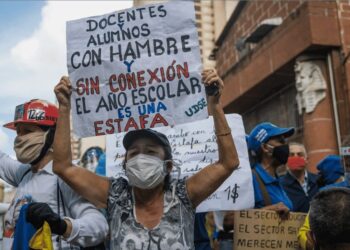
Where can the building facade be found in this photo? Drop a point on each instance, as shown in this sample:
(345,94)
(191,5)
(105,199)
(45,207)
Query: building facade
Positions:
(287,62)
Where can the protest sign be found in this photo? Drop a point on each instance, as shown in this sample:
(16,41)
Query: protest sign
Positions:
(263,229)
(194,146)
(136,68)
(345,151)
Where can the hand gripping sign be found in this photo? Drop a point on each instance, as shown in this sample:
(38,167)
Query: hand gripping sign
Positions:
(136,68)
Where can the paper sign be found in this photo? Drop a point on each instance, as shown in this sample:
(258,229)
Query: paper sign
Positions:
(345,151)
(136,68)
(194,146)
(263,229)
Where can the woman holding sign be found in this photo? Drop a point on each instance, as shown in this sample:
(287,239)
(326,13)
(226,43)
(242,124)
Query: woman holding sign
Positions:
(148,211)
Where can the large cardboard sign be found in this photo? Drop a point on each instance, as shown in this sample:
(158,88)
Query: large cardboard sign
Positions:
(263,229)
(136,68)
(194,147)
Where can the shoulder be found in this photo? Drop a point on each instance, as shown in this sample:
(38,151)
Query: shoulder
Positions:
(117,189)
(258,171)
(180,186)
(117,185)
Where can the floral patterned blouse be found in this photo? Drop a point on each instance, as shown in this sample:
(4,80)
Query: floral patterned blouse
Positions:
(175,230)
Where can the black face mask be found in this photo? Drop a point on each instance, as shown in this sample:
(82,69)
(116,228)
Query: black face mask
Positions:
(281,153)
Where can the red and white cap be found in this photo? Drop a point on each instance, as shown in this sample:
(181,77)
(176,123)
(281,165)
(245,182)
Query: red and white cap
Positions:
(37,112)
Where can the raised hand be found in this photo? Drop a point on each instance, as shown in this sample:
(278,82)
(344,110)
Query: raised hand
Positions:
(63,91)
(211,78)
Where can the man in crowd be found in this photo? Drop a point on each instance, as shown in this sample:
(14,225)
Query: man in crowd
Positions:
(330,219)
(74,222)
(299,184)
(268,147)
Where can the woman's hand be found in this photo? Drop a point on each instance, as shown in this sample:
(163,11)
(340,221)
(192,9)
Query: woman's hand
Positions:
(63,91)
(211,78)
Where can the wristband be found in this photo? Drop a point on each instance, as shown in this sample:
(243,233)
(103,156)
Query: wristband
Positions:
(223,134)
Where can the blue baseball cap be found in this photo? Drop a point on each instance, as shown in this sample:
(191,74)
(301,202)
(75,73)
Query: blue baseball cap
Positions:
(331,168)
(264,132)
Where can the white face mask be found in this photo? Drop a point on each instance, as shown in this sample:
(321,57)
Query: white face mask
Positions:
(145,171)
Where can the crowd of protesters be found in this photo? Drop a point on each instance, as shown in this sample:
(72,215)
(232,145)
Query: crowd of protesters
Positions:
(151,210)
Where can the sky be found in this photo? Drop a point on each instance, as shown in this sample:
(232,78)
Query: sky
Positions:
(33,51)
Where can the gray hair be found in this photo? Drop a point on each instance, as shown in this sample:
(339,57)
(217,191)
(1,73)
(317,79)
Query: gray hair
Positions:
(298,144)
(330,216)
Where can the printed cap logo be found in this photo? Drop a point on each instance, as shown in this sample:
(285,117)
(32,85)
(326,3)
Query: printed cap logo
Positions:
(19,112)
(36,114)
(262,134)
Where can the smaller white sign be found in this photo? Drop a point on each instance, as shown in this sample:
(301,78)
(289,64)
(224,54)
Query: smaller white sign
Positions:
(194,146)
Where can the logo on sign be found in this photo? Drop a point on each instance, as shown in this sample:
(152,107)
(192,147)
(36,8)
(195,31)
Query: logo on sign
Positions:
(36,114)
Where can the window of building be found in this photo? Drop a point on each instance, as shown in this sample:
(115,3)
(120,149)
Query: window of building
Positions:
(279,108)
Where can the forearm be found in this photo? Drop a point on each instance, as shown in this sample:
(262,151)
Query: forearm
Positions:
(206,181)
(62,157)
(227,151)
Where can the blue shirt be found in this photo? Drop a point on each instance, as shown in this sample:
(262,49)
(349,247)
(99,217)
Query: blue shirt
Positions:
(296,193)
(273,187)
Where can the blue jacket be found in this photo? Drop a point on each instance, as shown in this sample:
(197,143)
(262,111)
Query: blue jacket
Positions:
(300,200)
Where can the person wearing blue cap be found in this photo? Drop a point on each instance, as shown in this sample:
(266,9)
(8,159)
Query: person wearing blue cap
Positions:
(268,148)
(331,173)
(149,208)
